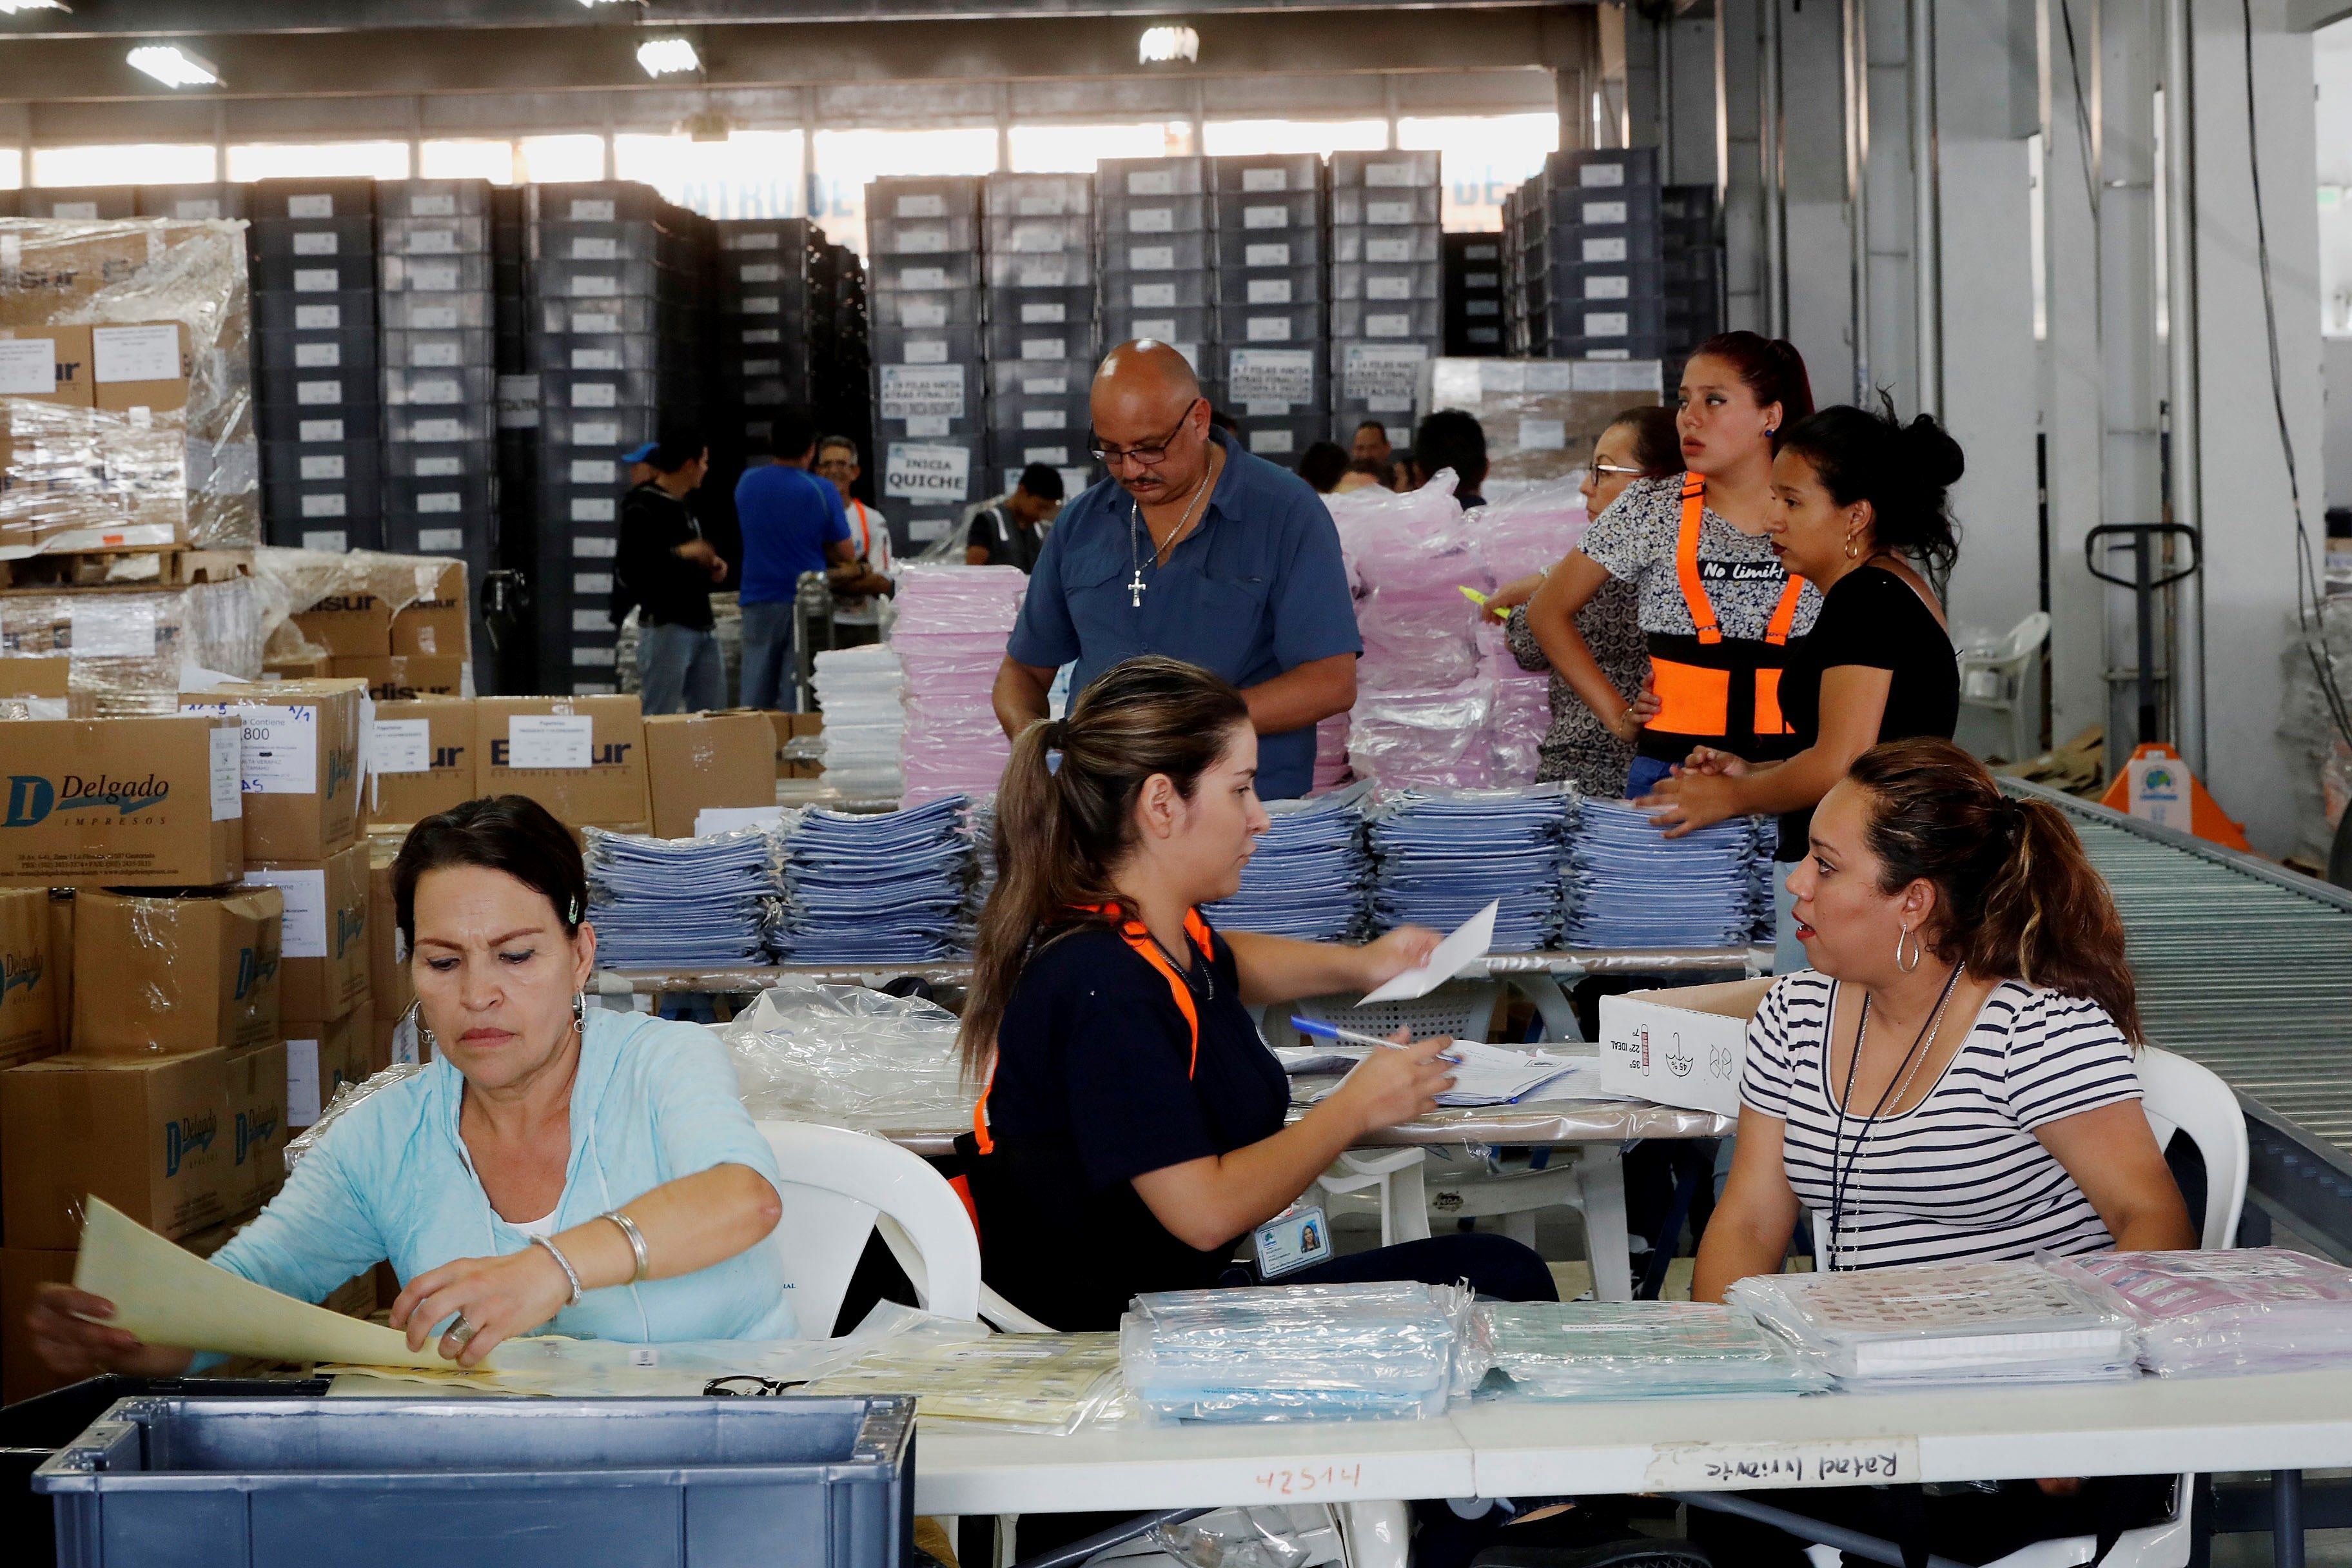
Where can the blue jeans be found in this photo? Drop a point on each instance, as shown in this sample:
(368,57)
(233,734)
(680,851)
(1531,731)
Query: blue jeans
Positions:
(768,655)
(1644,775)
(680,670)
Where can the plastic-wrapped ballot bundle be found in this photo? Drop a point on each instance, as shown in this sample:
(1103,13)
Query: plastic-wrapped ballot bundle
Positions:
(1299,1352)
(2259,1309)
(1529,531)
(848,1056)
(865,723)
(125,650)
(674,903)
(1944,1323)
(1425,740)
(887,887)
(1630,1350)
(1521,710)
(1439,857)
(952,623)
(1632,885)
(1309,876)
(1330,753)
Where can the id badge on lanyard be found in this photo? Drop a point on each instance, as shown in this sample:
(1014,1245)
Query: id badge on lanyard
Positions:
(1291,1240)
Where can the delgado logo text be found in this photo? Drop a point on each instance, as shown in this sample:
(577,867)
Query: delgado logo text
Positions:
(32,797)
(186,1136)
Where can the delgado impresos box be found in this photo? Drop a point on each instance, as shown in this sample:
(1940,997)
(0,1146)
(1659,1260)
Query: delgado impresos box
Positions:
(146,802)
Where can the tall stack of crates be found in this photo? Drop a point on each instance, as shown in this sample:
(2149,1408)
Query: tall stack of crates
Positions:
(1267,230)
(1038,249)
(618,279)
(927,331)
(845,388)
(1600,263)
(1386,273)
(1473,295)
(773,322)
(517,432)
(1155,242)
(1693,268)
(1522,242)
(317,386)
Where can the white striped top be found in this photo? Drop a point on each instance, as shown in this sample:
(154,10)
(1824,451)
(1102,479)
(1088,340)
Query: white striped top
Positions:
(1961,1176)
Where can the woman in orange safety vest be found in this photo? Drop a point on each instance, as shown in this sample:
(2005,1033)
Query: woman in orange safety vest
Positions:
(1718,609)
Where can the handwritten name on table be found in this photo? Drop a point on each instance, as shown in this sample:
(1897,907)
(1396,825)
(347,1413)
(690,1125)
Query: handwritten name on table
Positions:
(1705,1466)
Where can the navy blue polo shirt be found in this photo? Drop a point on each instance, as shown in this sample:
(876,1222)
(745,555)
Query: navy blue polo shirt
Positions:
(1255,589)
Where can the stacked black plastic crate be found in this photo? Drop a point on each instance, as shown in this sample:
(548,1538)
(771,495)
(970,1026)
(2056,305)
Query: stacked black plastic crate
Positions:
(317,386)
(517,432)
(1473,294)
(844,369)
(190,203)
(1156,248)
(1602,258)
(927,323)
(770,333)
(1269,225)
(1386,278)
(1693,268)
(1038,249)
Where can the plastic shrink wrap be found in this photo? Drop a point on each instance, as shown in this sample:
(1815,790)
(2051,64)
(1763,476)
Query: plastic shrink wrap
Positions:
(1630,1350)
(952,625)
(1301,1353)
(126,650)
(852,1057)
(2262,1308)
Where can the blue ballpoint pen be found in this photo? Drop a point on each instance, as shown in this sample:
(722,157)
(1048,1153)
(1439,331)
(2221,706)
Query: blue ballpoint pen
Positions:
(1322,1030)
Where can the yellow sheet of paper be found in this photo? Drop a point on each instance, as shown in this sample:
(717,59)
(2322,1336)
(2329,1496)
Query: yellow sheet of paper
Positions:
(168,1296)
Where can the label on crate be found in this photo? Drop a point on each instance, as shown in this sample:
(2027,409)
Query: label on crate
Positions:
(437,430)
(134,353)
(583,620)
(596,471)
(433,355)
(1052,314)
(318,318)
(311,394)
(1607,323)
(1157,326)
(1377,375)
(586,210)
(1482,307)
(1052,274)
(1266,255)
(1600,174)
(433,277)
(1542,436)
(28,367)
(1388,176)
(325,467)
(399,746)
(918,312)
(1045,348)
(1053,203)
(1255,180)
(1604,212)
(433,317)
(449,540)
(595,394)
(320,430)
(1640,376)
(1388,212)
(432,242)
(922,278)
(593,508)
(1386,326)
(759,272)
(1152,296)
(592,583)
(1045,385)
(310,206)
(1604,249)
(1271,443)
(933,205)
(596,322)
(919,473)
(928,424)
(595,433)
(1151,183)
(757,240)
(437,389)
(1044,419)
(432,206)
(595,248)
(1038,238)
(1269,290)
(923,242)
(430,501)
(913,392)
(926,350)
(766,305)
(1152,220)
(196,210)
(1388,250)
(1266,410)
(1056,455)
(1388,287)
(316,279)
(1482,280)
(1265,217)
(594,286)
(756,335)
(321,243)
(1607,286)
(1151,257)
(1269,329)
(1282,377)
(763,367)
(438,467)
(325,506)
(518,403)
(589,547)
(111,630)
(554,739)
(332,539)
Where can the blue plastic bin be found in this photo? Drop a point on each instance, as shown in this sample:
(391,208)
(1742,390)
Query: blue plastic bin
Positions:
(176,1482)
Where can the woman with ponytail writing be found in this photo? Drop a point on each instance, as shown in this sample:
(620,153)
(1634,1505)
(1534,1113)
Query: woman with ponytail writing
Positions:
(1132,1131)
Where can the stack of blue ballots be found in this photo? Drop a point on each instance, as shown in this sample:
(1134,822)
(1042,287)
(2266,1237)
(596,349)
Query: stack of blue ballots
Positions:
(1309,876)
(1441,856)
(1297,1353)
(684,903)
(1632,885)
(887,887)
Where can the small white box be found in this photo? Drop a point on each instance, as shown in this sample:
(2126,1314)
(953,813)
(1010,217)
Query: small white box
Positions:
(1682,1046)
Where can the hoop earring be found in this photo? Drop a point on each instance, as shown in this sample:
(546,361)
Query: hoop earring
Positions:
(427,1046)
(1918,951)
(1853,547)
(580,1011)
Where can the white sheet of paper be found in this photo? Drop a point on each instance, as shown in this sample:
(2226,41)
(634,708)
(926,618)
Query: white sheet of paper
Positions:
(1469,940)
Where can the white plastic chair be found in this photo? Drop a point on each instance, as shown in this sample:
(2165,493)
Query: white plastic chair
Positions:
(838,1187)
(2001,679)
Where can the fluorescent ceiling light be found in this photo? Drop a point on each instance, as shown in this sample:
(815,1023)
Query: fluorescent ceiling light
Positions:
(665,57)
(1165,46)
(174,66)
(11,7)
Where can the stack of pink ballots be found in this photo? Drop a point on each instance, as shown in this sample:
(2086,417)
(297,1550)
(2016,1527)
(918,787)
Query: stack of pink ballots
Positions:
(1522,537)
(952,623)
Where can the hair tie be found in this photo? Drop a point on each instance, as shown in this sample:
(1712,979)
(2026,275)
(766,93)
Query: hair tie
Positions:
(1057,734)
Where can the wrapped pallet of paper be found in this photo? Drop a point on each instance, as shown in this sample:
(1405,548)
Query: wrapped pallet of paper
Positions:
(140,328)
(125,650)
(1541,416)
(360,609)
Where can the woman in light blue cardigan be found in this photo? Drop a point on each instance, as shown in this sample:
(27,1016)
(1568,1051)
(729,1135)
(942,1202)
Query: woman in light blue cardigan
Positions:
(555,1168)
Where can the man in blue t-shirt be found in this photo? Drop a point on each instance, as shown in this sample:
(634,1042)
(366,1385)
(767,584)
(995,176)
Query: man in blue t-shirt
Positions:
(793,523)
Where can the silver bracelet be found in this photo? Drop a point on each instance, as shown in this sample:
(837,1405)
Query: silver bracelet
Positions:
(563,1263)
(636,1244)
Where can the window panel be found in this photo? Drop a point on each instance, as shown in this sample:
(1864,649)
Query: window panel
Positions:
(1484,156)
(318,160)
(1076,149)
(469,160)
(752,174)
(1228,138)
(125,163)
(547,159)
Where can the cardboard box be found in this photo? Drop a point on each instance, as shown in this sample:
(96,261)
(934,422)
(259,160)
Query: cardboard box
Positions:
(421,755)
(141,366)
(51,363)
(694,761)
(122,801)
(440,626)
(62,960)
(174,975)
(321,1057)
(356,624)
(320,668)
(149,1136)
(257,1126)
(323,967)
(399,680)
(1684,1046)
(583,758)
(300,763)
(45,678)
(28,977)
(388,977)
(22,1272)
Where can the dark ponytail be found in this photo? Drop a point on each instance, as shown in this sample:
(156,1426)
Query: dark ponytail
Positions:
(1769,368)
(2020,900)
(1060,830)
(1657,444)
(1904,471)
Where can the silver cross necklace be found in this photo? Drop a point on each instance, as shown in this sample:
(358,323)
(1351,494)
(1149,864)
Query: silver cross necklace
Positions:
(1136,585)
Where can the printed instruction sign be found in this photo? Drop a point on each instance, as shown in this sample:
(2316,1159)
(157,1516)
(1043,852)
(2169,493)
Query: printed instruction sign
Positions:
(920,473)
(916,391)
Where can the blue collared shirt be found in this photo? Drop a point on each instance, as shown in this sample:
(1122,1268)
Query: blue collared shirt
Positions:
(1256,589)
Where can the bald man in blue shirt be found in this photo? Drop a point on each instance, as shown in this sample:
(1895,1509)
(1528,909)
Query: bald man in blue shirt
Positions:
(1196,550)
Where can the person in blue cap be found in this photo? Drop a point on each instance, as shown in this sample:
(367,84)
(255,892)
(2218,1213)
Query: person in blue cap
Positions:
(665,568)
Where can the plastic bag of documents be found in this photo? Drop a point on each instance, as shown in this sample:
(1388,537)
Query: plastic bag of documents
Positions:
(2262,1308)
(1630,1350)
(1301,1353)
(848,1056)
(962,1375)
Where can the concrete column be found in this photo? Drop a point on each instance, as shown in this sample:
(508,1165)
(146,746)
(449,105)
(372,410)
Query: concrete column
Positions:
(1738,94)
(1887,175)
(1819,270)
(1672,94)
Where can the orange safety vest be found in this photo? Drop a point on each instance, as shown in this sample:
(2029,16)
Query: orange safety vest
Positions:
(1715,690)
(1136,936)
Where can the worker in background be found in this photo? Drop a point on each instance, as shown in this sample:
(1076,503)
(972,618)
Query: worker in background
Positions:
(663,569)
(859,587)
(1451,438)
(1323,465)
(640,470)
(793,522)
(1012,531)
(1194,549)
(1371,447)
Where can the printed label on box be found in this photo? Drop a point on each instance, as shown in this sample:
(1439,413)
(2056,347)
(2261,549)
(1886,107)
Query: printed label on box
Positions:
(590,620)
(588,211)
(441,541)
(135,353)
(317,356)
(595,394)
(437,469)
(1604,249)
(303,933)
(1382,374)
(432,242)
(550,741)
(321,430)
(1056,455)
(926,350)
(401,746)
(596,433)
(438,500)
(927,473)
(1151,183)
(1152,220)
(596,471)
(588,547)
(923,277)
(314,393)
(1151,257)
(28,367)
(322,243)
(1389,213)
(1600,174)
(1607,323)
(1045,348)
(594,248)
(922,241)
(437,317)
(1388,250)
(316,279)
(1604,212)
(1385,287)
(1045,385)
(594,286)
(1269,329)
(1044,419)
(1388,326)
(326,467)
(592,582)
(432,206)
(1269,290)
(931,204)
(310,206)
(333,505)
(1270,443)
(1255,180)
(1266,255)
(1042,275)
(928,424)
(595,359)
(1388,176)
(1542,436)
(430,355)
(1152,296)
(333,540)
(913,312)
(594,321)
(1607,286)
(318,318)
(228,772)
(1044,315)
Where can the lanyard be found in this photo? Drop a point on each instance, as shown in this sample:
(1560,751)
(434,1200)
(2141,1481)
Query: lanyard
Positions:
(865,532)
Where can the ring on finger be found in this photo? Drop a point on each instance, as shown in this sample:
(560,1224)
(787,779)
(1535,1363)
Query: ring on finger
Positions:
(461,1331)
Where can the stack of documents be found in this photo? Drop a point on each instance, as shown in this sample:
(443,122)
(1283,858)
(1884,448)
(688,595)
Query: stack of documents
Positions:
(2260,1309)
(1439,855)
(1944,1323)
(859,689)
(1482,1073)
(1633,887)
(952,623)
(1049,1383)
(1308,876)
(1630,1350)
(1298,1353)
(889,887)
(684,903)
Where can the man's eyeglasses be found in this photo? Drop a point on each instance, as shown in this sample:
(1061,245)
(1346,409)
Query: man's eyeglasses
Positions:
(1150,454)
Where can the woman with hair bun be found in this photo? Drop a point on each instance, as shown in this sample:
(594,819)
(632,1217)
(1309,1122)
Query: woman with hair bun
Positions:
(1859,510)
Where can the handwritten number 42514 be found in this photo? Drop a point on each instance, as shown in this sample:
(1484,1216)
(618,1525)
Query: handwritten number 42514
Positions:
(1308,1481)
